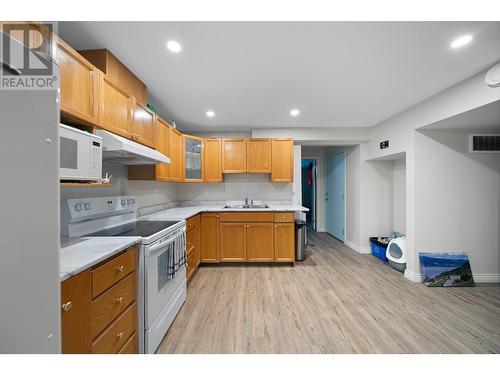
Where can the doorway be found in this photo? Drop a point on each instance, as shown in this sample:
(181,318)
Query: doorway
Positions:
(335,195)
(309,177)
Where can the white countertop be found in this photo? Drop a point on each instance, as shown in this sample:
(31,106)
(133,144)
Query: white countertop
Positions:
(185,212)
(79,253)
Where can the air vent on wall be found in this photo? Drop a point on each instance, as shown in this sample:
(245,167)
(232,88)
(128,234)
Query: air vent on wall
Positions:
(484,143)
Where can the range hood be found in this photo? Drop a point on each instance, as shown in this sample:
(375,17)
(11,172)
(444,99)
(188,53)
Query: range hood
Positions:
(124,151)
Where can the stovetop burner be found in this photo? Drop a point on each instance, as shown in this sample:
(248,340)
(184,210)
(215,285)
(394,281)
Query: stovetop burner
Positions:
(142,228)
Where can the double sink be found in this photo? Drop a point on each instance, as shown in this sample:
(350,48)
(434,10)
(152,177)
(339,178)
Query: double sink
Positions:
(245,206)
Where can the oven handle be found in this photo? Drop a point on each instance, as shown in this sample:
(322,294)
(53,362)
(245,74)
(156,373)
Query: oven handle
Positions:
(155,248)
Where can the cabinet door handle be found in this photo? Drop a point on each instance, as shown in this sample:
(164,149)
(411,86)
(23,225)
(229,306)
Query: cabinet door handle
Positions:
(120,268)
(67,306)
(119,335)
(119,300)
(276,226)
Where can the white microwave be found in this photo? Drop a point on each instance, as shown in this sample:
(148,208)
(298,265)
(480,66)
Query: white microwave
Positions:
(80,155)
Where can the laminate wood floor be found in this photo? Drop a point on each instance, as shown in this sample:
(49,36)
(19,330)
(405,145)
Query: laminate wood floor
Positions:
(336,301)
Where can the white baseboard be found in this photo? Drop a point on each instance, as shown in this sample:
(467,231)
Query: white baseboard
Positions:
(357,248)
(415,277)
(487,278)
(478,277)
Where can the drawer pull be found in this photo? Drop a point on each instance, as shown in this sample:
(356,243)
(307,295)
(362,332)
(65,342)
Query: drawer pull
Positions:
(67,306)
(119,335)
(119,300)
(120,268)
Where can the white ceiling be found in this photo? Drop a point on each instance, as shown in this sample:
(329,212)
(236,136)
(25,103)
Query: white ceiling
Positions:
(339,74)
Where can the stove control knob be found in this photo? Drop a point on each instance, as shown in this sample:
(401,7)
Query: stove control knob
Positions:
(88,206)
(132,201)
(128,201)
(78,207)
(124,202)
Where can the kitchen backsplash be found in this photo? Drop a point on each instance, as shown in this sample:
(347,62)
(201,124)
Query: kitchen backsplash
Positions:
(150,194)
(236,187)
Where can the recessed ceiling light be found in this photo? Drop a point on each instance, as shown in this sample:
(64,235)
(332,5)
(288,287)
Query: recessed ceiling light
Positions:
(210,113)
(174,46)
(294,112)
(461,41)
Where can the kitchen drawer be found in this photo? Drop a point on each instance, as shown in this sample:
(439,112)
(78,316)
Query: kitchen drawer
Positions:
(193,260)
(284,217)
(113,302)
(193,238)
(193,222)
(246,216)
(116,335)
(108,274)
(130,347)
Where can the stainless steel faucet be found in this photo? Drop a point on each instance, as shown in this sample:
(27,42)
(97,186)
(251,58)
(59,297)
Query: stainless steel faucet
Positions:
(246,201)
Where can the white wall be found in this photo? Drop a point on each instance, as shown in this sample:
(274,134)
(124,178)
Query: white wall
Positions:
(317,136)
(458,200)
(399,195)
(401,132)
(353,197)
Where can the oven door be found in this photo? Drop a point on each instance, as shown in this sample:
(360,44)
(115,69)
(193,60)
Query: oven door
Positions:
(160,292)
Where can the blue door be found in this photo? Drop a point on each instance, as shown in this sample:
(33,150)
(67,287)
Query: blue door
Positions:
(335,194)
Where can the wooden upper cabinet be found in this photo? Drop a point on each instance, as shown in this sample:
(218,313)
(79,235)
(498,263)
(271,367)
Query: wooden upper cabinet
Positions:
(163,145)
(143,125)
(234,155)
(282,160)
(258,155)
(115,112)
(79,85)
(212,160)
(260,242)
(118,72)
(192,158)
(76,297)
(176,159)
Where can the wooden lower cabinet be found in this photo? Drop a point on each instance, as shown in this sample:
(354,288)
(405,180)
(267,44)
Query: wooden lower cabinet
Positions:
(209,237)
(104,321)
(131,346)
(76,295)
(248,237)
(260,242)
(192,245)
(284,242)
(115,336)
(232,242)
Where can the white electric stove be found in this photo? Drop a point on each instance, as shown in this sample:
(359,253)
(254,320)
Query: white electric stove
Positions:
(159,297)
